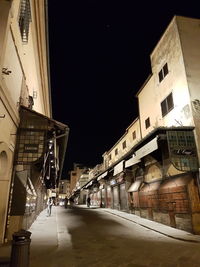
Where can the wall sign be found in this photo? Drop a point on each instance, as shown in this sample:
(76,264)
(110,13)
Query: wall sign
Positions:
(31,148)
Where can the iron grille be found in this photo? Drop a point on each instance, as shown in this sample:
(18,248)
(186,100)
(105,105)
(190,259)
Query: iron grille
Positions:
(24,19)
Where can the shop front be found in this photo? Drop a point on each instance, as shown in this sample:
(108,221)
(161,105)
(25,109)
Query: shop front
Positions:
(39,155)
(165,185)
(108,196)
(115,190)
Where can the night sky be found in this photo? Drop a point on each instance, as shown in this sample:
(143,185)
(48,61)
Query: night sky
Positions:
(99,58)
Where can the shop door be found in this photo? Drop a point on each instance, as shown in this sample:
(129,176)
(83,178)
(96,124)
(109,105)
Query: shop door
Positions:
(123,198)
(103,198)
(99,198)
(95,200)
(115,198)
(108,198)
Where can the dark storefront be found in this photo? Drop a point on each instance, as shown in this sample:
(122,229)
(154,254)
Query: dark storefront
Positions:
(39,155)
(165,181)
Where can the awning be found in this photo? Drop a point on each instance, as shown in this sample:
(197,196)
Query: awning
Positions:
(102,176)
(135,186)
(34,132)
(132,161)
(147,149)
(89,183)
(118,168)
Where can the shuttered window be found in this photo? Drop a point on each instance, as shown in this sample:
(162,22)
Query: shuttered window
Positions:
(167,105)
(163,72)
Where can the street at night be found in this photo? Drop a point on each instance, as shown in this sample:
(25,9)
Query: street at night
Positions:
(81,236)
(99,134)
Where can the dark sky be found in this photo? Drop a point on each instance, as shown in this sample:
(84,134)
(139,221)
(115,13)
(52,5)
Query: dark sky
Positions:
(99,58)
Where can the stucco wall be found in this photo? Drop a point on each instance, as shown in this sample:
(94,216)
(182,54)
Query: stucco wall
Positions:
(168,50)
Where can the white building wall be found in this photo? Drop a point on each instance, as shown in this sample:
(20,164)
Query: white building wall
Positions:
(168,50)
(130,142)
(28,66)
(190,40)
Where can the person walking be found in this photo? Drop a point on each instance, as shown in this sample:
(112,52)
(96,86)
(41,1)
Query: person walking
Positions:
(88,202)
(49,206)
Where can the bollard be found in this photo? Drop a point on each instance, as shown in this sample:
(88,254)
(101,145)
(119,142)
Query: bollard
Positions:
(20,249)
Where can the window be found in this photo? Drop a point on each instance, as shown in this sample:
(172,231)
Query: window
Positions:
(24,19)
(116,151)
(167,105)
(147,122)
(124,144)
(110,157)
(163,72)
(134,135)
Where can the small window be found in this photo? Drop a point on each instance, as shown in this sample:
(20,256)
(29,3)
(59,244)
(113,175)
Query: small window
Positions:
(167,105)
(116,151)
(163,72)
(147,123)
(134,135)
(124,144)
(160,74)
(110,157)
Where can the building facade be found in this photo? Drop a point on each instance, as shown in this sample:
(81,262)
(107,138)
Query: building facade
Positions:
(153,170)
(64,192)
(75,174)
(32,144)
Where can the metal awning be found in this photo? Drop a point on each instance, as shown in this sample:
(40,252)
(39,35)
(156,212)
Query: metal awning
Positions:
(34,132)
(135,186)
(147,149)
(118,168)
(89,183)
(132,161)
(102,176)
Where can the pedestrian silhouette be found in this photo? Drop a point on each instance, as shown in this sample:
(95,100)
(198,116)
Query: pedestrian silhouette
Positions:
(88,202)
(49,206)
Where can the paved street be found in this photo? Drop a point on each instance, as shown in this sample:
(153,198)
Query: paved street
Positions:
(94,237)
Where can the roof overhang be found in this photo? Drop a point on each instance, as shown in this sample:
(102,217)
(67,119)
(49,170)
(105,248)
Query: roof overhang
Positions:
(34,132)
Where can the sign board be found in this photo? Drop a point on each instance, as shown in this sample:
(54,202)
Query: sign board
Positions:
(31,148)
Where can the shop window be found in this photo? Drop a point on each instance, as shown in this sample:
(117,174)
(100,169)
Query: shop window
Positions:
(163,72)
(147,123)
(124,144)
(167,105)
(24,19)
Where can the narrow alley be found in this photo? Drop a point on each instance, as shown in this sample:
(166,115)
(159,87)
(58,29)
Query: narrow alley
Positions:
(81,236)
